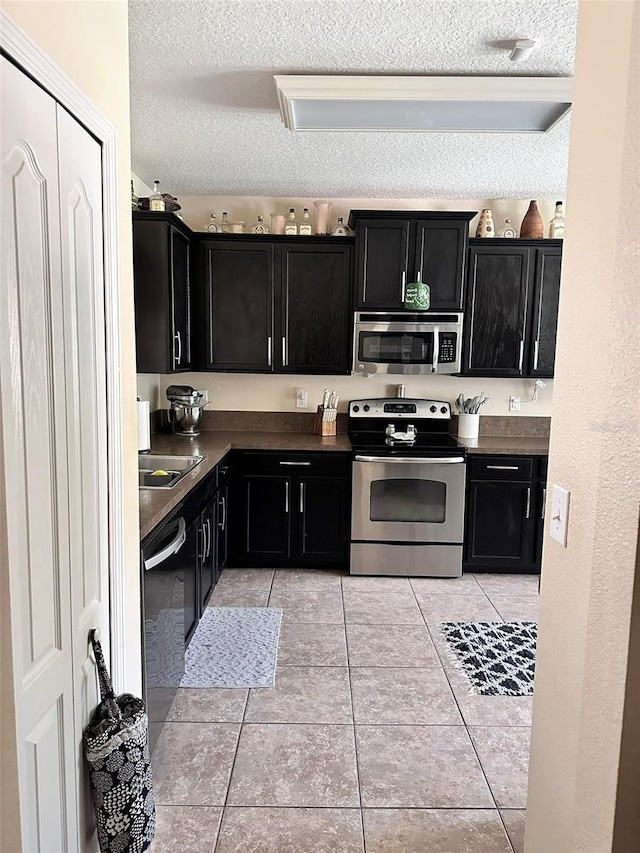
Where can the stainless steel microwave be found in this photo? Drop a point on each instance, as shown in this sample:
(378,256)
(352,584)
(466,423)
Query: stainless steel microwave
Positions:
(402,342)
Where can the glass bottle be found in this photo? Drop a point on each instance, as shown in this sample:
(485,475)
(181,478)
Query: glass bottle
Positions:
(508,230)
(259,227)
(156,202)
(291,226)
(305,225)
(225,225)
(212,226)
(556,226)
(340,229)
(134,198)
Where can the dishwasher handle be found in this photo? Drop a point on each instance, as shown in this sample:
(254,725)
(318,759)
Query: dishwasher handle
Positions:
(172,548)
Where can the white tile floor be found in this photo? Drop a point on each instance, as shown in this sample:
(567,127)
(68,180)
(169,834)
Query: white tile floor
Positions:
(370,742)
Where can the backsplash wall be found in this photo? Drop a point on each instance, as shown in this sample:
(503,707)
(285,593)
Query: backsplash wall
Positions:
(276,393)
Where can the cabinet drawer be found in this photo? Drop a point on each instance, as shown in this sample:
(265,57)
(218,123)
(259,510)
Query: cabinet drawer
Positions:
(500,467)
(316,463)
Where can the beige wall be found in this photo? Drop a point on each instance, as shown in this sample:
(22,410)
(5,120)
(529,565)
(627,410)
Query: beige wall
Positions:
(586,605)
(90,43)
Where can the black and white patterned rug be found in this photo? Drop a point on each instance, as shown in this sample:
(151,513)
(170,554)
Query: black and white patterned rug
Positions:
(498,657)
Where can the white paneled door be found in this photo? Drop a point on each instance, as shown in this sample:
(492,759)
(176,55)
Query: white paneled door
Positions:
(53,394)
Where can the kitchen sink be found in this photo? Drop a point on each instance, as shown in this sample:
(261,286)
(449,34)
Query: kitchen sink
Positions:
(176,467)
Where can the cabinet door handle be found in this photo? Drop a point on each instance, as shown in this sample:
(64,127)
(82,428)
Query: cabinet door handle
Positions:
(503,467)
(528,513)
(223,523)
(404,286)
(521,357)
(536,348)
(269,351)
(294,463)
(177,358)
(419,276)
(544,501)
(203,533)
(284,350)
(208,537)
(286,496)
(301,497)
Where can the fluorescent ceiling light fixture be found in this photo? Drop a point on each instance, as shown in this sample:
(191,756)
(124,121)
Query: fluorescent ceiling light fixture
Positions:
(423,104)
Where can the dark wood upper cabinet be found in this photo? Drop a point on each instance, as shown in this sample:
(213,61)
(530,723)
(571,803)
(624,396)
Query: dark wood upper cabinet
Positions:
(439,260)
(275,305)
(544,319)
(239,298)
(316,316)
(512,296)
(382,261)
(495,322)
(394,248)
(162,289)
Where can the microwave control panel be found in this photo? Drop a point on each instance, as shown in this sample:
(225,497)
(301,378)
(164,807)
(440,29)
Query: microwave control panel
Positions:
(447,353)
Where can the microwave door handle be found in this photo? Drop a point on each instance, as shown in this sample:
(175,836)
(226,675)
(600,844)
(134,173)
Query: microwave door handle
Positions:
(436,349)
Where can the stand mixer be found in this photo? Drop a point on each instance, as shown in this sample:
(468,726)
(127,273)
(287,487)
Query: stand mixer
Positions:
(186,408)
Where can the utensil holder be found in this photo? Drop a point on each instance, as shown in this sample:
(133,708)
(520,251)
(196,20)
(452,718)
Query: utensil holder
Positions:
(325,422)
(468,426)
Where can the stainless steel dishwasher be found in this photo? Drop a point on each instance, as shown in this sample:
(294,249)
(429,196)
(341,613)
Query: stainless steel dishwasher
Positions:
(165,557)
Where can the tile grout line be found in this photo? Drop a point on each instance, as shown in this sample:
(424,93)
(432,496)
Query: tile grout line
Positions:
(235,754)
(353,717)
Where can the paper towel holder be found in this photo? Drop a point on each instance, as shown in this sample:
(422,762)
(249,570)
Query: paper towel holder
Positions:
(144,426)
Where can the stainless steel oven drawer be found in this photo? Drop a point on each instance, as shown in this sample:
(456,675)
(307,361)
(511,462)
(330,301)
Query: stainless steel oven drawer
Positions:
(413,561)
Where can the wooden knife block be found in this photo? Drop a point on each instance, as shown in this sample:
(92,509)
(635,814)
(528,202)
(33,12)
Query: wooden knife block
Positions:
(325,427)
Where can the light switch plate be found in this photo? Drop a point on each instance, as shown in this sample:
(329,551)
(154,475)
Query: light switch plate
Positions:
(559,515)
(301,398)
(514,404)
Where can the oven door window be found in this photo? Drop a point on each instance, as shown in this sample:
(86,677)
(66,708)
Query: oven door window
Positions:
(408,500)
(395,347)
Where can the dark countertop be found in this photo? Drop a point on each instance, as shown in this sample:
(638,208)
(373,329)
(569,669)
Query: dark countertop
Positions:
(155,504)
(513,445)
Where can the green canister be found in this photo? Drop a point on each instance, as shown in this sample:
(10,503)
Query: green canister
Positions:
(417,296)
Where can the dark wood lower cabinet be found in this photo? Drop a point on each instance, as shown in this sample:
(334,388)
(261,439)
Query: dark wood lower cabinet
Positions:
(191,580)
(289,509)
(504,514)
(322,518)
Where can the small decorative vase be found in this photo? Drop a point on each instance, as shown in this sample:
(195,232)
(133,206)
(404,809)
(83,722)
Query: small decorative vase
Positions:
(485,224)
(468,426)
(322,216)
(508,231)
(532,227)
(277,223)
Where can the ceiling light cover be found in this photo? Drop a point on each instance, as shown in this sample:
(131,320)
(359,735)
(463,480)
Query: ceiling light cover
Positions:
(423,104)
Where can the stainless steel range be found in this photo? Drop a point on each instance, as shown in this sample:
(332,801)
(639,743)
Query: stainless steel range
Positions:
(408,489)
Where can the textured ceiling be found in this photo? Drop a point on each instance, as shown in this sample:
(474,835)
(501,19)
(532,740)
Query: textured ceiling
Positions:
(205,118)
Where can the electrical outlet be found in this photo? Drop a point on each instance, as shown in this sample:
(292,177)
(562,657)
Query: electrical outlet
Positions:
(514,404)
(559,522)
(301,398)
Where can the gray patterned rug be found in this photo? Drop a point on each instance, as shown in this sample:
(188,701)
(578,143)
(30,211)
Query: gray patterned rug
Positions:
(234,647)
(499,658)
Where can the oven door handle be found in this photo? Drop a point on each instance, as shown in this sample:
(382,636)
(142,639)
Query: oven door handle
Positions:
(412,460)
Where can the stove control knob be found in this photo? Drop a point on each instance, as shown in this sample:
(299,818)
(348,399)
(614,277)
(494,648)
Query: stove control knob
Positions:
(366,407)
(356,408)
(433,409)
(444,410)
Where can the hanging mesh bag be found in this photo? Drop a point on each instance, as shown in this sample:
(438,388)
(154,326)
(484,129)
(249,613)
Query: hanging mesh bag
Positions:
(117,750)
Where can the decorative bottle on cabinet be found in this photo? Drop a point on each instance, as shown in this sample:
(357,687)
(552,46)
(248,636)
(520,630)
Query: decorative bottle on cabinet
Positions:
(259,227)
(212,225)
(508,230)
(225,225)
(156,201)
(291,226)
(305,226)
(532,227)
(556,226)
(485,224)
